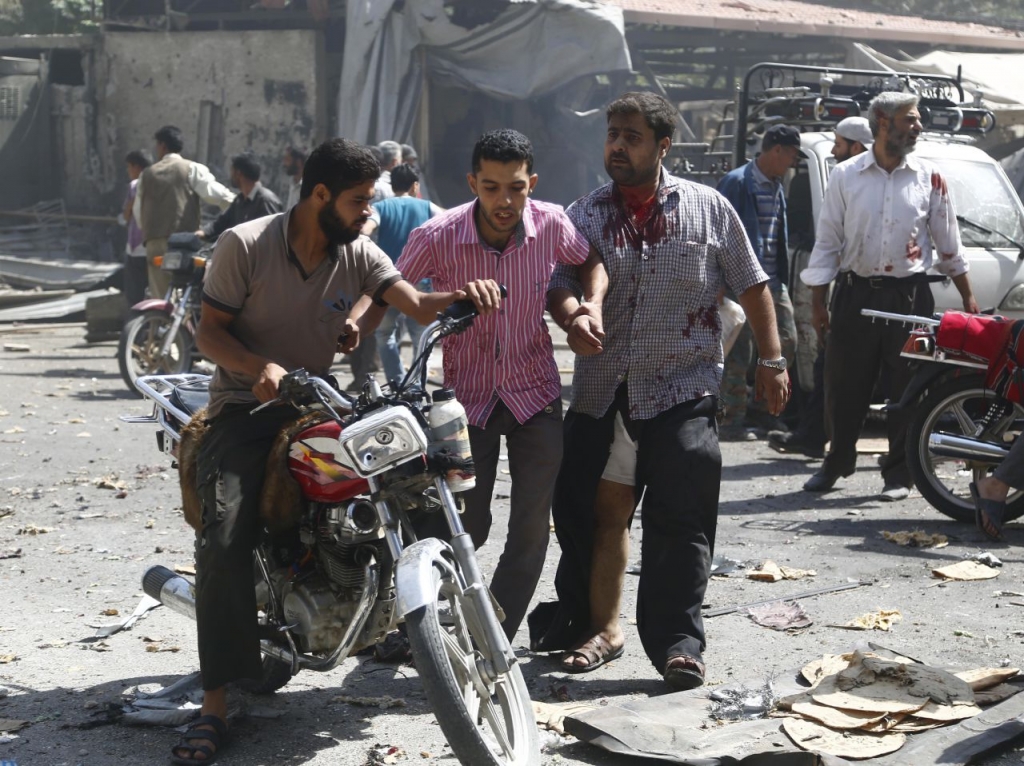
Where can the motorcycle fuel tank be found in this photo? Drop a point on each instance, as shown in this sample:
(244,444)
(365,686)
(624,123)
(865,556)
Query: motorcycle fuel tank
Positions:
(314,460)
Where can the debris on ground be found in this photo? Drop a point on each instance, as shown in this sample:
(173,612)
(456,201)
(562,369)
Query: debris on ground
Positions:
(742,703)
(109,482)
(384,755)
(185,569)
(105,631)
(862,705)
(33,530)
(883,619)
(552,717)
(721,566)
(780,615)
(378,702)
(966,571)
(987,558)
(769,571)
(10,725)
(10,553)
(917,539)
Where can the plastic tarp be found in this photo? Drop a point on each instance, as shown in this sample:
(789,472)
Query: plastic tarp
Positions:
(532,48)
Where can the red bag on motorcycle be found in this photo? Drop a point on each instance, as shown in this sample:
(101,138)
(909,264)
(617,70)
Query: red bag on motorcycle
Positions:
(1006,369)
(979,337)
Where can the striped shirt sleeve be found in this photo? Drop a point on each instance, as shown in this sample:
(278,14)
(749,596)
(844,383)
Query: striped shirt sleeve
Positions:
(574,247)
(417,261)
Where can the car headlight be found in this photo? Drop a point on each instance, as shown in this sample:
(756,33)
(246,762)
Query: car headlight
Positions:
(1014,300)
(383,440)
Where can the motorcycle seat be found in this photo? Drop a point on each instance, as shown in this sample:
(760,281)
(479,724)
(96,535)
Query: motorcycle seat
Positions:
(191,397)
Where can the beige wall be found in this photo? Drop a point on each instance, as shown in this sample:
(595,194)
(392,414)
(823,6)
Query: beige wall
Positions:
(227,91)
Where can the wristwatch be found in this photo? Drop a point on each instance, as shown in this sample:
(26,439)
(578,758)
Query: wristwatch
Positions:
(775,364)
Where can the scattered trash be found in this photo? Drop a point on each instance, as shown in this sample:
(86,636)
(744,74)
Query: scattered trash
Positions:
(10,725)
(769,571)
(8,510)
(999,593)
(962,634)
(384,755)
(560,693)
(378,702)
(980,679)
(10,553)
(966,571)
(22,348)
(552,717)
(185,569)
(110,613)
(108,482)
(721,566)
(883,619)
(33,530)
(158,648)
(104,631)
(742,703)
(780,615)
(916,539)
(806,594)
(6,659)
(842,744)
(988,559)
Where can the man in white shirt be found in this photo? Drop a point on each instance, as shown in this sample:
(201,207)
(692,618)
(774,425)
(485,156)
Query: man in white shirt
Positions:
(168,198)
(886,219)
(293,163)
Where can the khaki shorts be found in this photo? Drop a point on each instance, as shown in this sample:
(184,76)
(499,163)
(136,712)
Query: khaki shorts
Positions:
(621,466)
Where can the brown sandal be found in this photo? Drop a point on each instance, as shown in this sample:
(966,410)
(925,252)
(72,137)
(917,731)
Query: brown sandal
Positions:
(595,650)
(683,672)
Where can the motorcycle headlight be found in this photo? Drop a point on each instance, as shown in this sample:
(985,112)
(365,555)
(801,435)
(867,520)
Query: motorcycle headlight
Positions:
(383,440)
(1014,300)
(174,260)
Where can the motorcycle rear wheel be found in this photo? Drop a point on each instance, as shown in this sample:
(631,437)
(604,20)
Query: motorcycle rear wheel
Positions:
(138,351)
(485,724)
(955,406)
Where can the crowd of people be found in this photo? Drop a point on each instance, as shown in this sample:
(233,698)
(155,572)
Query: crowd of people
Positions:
(633,272)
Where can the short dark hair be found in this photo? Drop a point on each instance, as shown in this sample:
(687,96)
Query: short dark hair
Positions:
(403,177)
(171,137)
(409,153)
(338,164)
(505,145)
(298,152)
(657,111)
(139,158)
(377,155)
(247,164)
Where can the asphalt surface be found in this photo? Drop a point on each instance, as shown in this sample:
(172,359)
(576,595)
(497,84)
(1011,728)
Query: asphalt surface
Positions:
(84,546)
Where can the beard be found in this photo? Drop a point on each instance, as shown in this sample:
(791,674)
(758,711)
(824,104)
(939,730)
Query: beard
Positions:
(335,229)
(627,174)
(900,144)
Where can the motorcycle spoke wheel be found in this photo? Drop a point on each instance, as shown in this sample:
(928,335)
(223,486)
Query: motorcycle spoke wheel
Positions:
(485,721)
(957,407)
(139,349)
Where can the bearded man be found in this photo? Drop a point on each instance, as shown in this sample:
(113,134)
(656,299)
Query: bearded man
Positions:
(283,292)
(885,216)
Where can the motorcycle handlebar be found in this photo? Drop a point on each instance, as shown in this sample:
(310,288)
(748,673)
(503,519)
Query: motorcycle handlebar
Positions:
(465,308)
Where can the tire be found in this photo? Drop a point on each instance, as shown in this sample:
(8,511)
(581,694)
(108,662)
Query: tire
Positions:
(947,408)
(139,348)
(446,660)
(274,676)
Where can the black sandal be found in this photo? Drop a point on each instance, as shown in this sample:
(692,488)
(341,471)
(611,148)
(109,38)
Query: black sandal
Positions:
(217,736)
(683,672)
(988,514)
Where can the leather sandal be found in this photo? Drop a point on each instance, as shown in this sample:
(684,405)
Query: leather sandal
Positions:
(683,672)
(217,736)
(988,514)
(595,650)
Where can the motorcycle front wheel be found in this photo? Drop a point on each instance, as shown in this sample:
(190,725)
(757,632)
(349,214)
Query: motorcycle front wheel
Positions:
(958,407)
(485,722)
(138,351)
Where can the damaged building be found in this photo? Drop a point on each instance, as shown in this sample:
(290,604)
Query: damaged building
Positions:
(435,73)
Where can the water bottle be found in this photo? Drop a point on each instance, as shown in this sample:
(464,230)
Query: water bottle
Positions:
(450,439)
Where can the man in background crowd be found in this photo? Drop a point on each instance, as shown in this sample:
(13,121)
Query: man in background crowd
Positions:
(253,201)
(168,199)
(293,163)
(135,253)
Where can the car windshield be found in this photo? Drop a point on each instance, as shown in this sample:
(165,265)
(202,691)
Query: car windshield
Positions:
(983,199)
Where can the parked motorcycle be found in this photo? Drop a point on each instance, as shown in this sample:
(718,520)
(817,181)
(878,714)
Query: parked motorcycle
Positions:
(367,470)
(159,338)
(963,423)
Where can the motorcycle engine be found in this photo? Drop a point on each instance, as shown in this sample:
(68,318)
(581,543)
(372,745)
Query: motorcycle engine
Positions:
(321,605)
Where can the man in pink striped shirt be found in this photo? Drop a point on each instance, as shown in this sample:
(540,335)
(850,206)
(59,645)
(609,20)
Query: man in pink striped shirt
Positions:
(503,369)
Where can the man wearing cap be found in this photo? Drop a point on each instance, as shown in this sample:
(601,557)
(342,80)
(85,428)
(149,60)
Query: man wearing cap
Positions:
(852,137)
(887,218)
(755,191)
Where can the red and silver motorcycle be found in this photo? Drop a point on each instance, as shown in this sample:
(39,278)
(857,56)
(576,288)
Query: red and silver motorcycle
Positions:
(159,338)
(966,402)
(366,472)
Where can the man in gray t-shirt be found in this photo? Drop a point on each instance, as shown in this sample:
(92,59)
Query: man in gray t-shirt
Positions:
(282,292)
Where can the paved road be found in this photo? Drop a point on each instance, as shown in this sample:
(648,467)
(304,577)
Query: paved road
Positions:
(60,437)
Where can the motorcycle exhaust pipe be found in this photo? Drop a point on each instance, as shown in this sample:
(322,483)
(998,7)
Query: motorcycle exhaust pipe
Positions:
(966,448)
(171,590)
(178,594)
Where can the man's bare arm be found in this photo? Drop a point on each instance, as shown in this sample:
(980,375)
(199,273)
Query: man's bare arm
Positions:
(424,307)
(771,385)
(215,340)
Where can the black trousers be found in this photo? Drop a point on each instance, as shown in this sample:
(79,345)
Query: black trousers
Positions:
(679,471)
(534,454)
(232,464)
(857,351)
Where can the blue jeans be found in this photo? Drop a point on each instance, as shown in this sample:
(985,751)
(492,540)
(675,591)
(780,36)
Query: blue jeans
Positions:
(389,334)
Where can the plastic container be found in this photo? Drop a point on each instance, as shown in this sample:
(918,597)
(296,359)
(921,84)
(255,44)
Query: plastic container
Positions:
(450,439)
